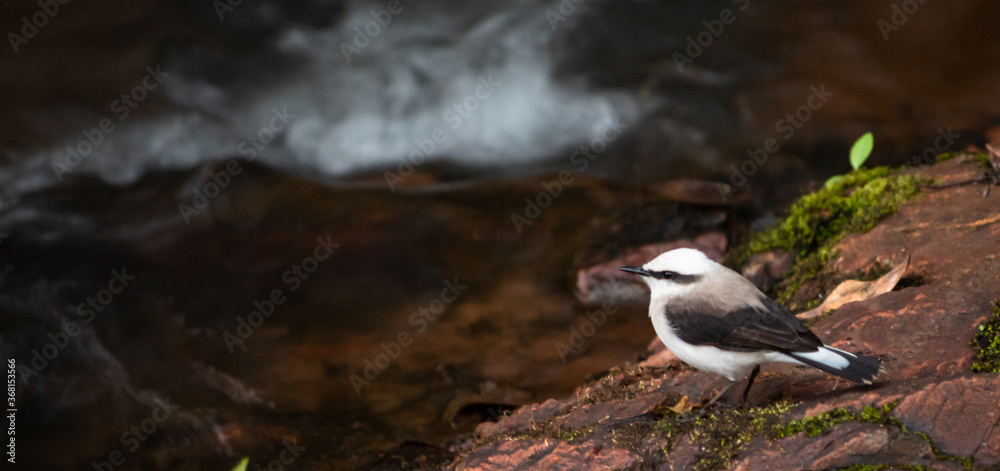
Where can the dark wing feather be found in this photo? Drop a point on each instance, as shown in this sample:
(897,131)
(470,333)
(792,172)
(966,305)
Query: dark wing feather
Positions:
(742,330)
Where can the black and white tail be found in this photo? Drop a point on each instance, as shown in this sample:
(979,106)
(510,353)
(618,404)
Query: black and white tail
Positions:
(840,363)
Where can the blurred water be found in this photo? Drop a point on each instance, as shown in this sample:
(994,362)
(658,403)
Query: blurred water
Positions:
(365,89)
(470,82)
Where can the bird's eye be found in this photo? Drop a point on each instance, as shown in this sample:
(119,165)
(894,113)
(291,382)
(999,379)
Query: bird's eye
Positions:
(666,275)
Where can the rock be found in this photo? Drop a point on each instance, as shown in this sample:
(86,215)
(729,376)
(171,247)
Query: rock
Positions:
(766,268)
(547,454)
(952,236)
(662,357)
(958,415)
(844,445)
(698,192)
(523,418)
(921,332)
(989,450)
(589,415)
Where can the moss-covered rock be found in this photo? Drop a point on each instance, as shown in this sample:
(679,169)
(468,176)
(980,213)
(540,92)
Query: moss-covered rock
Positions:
(817,424)
(724,433)
(817,221)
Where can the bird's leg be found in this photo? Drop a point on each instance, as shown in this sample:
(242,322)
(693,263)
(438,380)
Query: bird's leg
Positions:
(746,392)
(717,396)
(753,375)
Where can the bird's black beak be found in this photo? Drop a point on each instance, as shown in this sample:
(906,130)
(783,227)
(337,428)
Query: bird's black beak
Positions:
(637,270)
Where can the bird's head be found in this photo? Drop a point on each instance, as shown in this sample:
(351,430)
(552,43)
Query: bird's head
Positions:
(674,271)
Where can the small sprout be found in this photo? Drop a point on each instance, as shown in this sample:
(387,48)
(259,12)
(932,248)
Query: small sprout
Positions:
(242,465)
(861,149)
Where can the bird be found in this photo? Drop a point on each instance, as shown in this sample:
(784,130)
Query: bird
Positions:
(715,320)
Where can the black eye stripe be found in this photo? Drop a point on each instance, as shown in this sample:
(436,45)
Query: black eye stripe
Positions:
(664,275)
(674,277)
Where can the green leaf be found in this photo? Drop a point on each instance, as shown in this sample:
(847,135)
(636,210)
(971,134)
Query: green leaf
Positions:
(861,149)
(242,465)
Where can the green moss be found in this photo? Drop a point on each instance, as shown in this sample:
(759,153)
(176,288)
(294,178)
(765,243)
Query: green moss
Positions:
(817,221)
(631,436)
(980,158)
(818,424)
(948,155)
(986,343)
(723,434)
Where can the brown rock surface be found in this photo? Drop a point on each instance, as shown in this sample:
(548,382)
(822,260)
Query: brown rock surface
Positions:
(943,411)
(843,445)
(921,331)
(547,454)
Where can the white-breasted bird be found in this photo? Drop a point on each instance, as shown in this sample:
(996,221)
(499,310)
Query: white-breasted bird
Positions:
(715,320)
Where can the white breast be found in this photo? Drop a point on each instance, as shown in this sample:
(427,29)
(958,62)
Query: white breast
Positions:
(732,365)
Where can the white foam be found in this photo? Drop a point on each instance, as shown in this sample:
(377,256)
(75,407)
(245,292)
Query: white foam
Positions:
(370,112)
